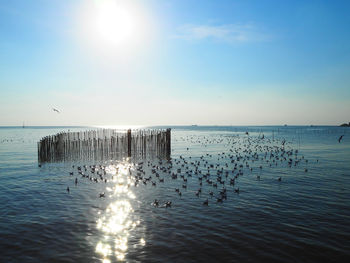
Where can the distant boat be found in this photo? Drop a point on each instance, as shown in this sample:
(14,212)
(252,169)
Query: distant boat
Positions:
(285,125)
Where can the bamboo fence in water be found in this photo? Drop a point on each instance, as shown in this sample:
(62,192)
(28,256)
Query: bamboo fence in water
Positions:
(104,144)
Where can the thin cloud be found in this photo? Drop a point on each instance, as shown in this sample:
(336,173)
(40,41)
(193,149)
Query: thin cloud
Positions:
(231,33)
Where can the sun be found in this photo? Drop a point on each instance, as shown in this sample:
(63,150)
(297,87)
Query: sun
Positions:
(122,28)
(114,23)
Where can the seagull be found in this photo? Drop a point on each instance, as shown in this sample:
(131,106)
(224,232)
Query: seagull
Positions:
(56,110)
(341,137)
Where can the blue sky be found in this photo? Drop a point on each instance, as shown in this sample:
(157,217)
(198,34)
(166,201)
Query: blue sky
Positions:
(182,62)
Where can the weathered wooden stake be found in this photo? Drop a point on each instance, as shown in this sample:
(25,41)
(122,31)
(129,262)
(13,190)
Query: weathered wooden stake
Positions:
(168,142)
(129,143)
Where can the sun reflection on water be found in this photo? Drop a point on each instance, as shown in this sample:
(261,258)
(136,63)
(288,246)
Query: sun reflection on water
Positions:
(118,219)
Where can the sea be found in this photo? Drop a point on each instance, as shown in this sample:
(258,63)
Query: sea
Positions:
(227,194)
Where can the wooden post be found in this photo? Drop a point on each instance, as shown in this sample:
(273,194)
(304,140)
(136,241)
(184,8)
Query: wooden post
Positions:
(168,142)
(129,142)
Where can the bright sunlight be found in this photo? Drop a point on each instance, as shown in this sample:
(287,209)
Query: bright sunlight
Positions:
(114,22)
(120,28)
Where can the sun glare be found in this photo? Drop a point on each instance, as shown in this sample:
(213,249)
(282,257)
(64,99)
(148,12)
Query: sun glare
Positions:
(114,23)
(114,28)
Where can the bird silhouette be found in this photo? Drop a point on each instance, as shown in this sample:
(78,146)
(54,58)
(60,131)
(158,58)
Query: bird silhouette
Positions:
(340,138)
(56,110)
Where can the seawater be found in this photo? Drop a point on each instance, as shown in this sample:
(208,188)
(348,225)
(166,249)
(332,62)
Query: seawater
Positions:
(305,217)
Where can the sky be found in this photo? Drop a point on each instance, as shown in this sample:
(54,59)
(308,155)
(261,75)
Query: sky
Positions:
(174,62)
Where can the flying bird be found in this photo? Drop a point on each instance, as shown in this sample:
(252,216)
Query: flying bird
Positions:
(56,110)
(341,137)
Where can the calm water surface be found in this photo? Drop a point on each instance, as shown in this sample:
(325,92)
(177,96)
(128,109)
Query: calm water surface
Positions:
(305,217)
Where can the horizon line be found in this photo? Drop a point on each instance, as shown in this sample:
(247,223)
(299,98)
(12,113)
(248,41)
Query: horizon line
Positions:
(170,125)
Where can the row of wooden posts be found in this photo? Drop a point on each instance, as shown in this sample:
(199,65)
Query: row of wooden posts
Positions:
(103,144)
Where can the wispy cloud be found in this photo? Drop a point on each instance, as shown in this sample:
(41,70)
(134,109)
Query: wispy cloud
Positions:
(231,33)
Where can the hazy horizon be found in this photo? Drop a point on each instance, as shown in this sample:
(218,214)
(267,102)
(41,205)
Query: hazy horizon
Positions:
(138,62)
(170,125)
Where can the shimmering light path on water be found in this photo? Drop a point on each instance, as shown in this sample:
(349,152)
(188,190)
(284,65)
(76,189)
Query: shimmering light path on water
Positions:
(303,217)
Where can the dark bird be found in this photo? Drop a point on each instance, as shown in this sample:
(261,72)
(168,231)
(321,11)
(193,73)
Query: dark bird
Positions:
(156,203)
(56,110)
(67,189)
(340,138)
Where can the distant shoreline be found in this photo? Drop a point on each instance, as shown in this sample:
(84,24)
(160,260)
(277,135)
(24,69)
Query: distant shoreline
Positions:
(175,126)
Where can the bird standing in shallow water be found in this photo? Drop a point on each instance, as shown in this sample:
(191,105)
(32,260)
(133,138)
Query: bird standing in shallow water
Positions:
(156,203)
(340,138)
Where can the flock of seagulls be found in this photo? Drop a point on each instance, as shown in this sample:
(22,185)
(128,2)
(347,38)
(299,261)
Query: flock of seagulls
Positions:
(211,177)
